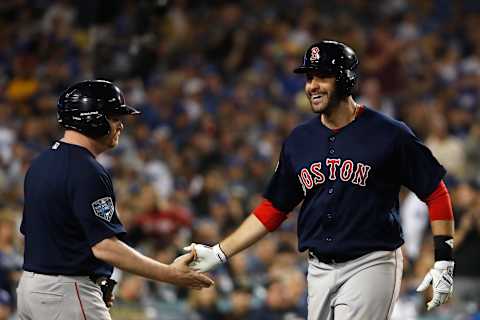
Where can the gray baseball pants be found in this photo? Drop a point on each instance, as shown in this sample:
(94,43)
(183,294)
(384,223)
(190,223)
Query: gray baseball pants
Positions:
(59,298)
(360,289)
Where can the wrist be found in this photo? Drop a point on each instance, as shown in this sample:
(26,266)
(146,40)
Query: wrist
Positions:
(443,264)
(219,252)
(443,248)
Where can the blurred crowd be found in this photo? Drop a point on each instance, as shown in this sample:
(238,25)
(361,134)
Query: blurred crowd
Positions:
(215,84)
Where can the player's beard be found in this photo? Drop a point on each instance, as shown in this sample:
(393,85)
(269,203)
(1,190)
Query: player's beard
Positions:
(111,140)
(328,102)
(115,138)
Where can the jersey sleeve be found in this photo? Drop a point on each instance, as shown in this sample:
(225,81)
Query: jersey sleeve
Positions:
(419,170)
(284,190)
(93,204)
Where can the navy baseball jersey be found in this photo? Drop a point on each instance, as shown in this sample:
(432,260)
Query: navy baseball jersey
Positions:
(69,207)
(349,181)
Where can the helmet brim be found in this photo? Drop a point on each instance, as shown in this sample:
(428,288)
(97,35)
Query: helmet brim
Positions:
(124,110)
(303,69)
(314,69)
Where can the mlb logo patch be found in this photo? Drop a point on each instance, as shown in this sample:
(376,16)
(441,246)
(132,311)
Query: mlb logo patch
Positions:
(104,208)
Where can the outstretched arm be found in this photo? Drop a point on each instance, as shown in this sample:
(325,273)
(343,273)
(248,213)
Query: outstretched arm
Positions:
(265,218)
(249,232)
(207,258)
(441,220)
(120,255)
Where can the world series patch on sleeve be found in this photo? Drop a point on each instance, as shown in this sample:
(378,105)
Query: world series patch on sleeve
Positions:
(104,208)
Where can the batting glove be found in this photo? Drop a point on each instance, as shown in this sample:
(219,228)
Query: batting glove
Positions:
(441,278)
(206,257)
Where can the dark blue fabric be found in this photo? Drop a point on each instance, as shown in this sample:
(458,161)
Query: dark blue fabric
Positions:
(59,220)
(346,213)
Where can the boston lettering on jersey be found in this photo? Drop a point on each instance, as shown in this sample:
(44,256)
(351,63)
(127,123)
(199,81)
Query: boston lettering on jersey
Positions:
(348,171)
(348,182)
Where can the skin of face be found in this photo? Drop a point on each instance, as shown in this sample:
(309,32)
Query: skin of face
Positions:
(116,127)
(321,92)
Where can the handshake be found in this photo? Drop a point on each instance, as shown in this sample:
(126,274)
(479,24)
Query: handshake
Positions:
(205,258)
(190,266)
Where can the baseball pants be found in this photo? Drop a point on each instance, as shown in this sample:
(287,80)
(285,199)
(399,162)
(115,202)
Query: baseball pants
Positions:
(59,298)
(363,288)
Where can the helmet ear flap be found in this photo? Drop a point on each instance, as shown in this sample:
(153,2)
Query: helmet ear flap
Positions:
(98,126)
(346,82)
(91,124)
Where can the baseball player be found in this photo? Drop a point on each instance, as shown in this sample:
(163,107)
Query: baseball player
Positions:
(347,165)
(71,226)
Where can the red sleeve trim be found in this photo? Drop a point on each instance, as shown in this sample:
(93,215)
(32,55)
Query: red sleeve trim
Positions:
(269,216)
(439,204)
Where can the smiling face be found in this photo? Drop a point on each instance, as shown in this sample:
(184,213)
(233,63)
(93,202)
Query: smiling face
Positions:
(321,92)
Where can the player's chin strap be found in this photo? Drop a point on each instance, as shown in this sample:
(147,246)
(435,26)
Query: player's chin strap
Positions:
(441,275)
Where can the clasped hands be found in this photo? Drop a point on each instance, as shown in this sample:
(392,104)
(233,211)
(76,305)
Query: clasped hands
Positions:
(206,258)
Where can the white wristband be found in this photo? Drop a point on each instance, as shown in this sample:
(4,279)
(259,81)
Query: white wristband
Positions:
(220,254)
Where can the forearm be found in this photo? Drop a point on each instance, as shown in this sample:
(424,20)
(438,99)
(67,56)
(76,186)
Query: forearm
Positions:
(120,255)
(441,220)
(442,227)
(249,232)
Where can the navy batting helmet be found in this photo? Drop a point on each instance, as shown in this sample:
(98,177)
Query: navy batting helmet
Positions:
(85,106)
(332,58)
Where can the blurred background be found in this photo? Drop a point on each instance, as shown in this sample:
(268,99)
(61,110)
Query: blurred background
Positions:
(214,82)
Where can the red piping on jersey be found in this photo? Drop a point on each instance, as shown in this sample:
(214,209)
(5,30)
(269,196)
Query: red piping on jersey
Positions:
(80,300)
(361,109)
(268,215)
(439,204)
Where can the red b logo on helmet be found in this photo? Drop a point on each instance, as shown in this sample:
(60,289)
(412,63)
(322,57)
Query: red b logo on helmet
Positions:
(314,54)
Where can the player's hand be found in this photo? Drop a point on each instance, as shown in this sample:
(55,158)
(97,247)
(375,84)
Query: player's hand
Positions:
(185,277)
(206,257)
(441,279)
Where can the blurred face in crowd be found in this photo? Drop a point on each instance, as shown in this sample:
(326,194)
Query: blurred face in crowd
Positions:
(7,231)
(277,296)
(464,196)
(296,283)
(116,127)
(240,302)
(205,298)
(238,264)
(266,251)
(320,91)
(5,312)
